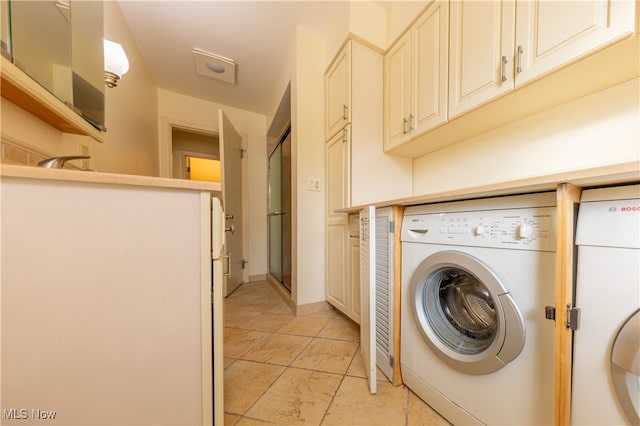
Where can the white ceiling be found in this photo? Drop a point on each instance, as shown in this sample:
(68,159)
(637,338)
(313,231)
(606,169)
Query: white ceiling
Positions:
(255,34)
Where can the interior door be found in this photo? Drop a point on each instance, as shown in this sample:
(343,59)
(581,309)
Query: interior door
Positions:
(231,179)
(368,293)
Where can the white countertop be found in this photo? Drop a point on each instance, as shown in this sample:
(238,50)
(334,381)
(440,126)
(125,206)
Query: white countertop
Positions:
(28,172)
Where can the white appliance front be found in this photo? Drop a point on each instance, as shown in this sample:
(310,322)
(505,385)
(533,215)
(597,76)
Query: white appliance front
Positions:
(501,372)
(606,351)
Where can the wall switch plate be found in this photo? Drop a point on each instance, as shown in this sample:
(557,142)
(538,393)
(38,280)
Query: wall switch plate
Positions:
(313,184)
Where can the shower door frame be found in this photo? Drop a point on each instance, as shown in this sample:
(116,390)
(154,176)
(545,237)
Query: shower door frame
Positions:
(279,216)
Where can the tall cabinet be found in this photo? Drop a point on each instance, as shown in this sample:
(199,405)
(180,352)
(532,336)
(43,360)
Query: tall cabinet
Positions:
(356,168)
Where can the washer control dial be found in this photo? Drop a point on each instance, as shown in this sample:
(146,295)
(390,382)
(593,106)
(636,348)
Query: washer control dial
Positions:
(479,230)
(524,230)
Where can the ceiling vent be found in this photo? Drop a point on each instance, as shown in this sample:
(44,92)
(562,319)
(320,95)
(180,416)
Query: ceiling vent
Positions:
(215,66)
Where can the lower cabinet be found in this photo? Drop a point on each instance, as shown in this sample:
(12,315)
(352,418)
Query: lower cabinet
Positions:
(353,283)
(343,265)
(336,263)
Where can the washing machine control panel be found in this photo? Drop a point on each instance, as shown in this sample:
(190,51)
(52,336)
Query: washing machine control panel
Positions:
(526,229)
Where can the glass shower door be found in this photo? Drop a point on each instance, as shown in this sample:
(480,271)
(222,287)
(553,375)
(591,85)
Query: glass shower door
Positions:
(279,211)
(275,213)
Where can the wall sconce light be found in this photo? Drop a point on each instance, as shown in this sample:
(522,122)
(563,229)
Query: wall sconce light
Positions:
(116,63)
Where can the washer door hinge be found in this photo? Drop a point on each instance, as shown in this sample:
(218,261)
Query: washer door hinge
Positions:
(573,316)
(391,361)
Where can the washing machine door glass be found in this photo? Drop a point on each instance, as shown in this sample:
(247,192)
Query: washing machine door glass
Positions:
(625,367)
(460,310)
(464,313)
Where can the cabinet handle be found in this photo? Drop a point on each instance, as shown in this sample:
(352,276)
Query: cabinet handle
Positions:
(411,121)
(519,64)
(504,69)
(344,135)
(345,111)
(404,126)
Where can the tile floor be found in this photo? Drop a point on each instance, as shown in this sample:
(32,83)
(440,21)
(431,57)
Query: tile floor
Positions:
(283,369)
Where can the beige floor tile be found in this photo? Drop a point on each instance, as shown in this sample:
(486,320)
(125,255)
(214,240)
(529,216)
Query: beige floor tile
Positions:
(304,326)
(231,419)
(238,317)
(279,349)
(354,405)
(246,421)
(297,397)
(249,304)
(281,308)
(341,329)
(245,382)
(331,356)
(421,414)
(356,368)
(267,322)
(327,313)
(228,361)
(238,341)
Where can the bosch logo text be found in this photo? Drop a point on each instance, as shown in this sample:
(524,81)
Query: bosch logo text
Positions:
(630,209)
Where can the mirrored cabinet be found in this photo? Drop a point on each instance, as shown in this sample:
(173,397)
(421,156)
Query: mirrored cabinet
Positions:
(59,45)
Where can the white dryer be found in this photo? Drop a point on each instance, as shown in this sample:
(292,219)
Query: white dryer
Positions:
(476,276)
(606,351)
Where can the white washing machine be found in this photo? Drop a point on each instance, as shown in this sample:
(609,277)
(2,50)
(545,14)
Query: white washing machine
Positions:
(476,276)
(606,351)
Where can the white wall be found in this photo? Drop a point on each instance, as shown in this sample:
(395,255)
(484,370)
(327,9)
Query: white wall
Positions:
(400,14)
(598,130)
(307,137)
(131,140)
(197,114)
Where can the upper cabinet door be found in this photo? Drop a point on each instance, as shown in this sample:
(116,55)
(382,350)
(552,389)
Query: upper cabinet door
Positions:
(338,93)
(338,171)
(397,94)
(550,34)
(429,71)
(481,52)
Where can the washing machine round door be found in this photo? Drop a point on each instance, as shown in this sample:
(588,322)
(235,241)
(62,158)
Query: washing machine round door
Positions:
(625,367)
(465,314)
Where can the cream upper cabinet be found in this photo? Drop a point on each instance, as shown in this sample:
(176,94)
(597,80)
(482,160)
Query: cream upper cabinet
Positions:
(338,93)
(337,163)
(397,97)
(415,77)
(498,46)
(482,51)
(550,34)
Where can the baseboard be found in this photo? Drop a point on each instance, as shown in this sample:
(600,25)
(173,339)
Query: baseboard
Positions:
(312,308)
(262,277)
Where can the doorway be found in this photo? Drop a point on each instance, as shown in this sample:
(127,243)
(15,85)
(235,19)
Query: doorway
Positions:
(190,146)
(187,145)
(279,211)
